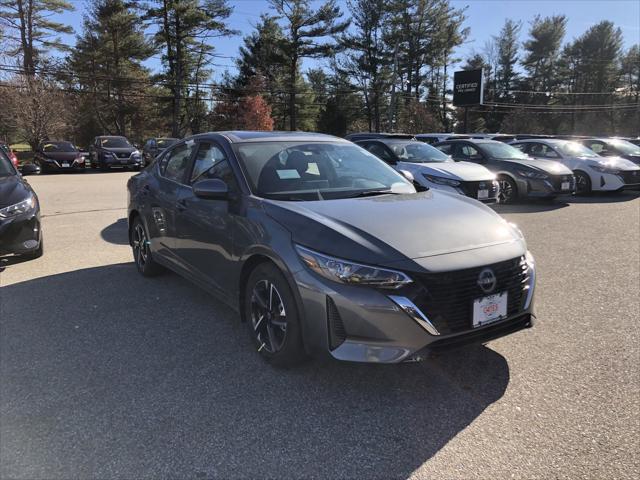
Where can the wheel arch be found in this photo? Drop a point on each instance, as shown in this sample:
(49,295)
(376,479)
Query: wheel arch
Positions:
(132,216)
(258,257)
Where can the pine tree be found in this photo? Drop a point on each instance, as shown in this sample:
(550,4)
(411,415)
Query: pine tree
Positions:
(305,27)
(184,29)
(30,27)
(107,62)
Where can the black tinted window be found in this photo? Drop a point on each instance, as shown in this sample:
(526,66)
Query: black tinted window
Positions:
(174,165)
(6,167)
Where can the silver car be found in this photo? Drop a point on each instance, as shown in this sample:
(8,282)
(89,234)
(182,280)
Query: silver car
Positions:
(325,250)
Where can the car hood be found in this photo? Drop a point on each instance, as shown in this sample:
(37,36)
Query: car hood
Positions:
(465,171)
(119,150)
(387,229)
(615,162)
(61,156)
(547,166)
(12,190)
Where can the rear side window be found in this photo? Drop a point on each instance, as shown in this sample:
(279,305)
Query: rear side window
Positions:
(446,148)
(174,165)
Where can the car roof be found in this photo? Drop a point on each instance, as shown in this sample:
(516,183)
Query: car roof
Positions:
(478,141)
(246,136)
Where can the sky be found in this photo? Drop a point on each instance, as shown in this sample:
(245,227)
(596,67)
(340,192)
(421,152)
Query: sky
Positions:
(484,18)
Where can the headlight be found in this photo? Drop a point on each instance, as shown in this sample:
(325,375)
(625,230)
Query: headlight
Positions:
(136,153)
(18,208)
(441,180)
(351,273)
(605,169)
(528,174)
(107,154)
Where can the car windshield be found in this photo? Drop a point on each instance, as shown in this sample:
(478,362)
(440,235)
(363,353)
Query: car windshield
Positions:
(115,142)
(317,171)
(166,142)
(503,151)
(627,148)
(417,152)
(59,147)
(6,167)
(576,149)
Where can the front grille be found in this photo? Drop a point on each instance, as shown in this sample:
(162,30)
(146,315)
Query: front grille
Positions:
(470,189)
(123,155)
(337,333)
(447,298)
(631,177)
(558,180)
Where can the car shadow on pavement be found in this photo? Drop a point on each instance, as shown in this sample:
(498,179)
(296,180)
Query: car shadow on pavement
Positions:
(107,374)
(531,206)
(116,233)
(606,197)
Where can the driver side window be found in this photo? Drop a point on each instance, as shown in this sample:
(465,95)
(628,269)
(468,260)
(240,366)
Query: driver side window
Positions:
(380,152)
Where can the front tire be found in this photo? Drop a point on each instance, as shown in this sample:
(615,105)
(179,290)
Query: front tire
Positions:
(142,257)
(583,183)
(272,316)
(508,190)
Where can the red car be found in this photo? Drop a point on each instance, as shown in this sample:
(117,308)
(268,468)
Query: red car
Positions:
(12,156)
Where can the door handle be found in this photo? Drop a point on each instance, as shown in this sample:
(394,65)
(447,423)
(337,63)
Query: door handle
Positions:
(146,190)
(181,205)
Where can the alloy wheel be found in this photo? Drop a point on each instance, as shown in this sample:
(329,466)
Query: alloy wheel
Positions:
(506,191)
(140,245)
(582,184)
(268,316)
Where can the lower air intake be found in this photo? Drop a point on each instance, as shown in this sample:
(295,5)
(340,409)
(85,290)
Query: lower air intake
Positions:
(337,333)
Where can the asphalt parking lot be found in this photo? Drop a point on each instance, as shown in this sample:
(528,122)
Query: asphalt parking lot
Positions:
(104,374)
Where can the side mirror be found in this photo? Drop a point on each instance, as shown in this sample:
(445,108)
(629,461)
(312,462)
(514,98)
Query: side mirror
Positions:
(212,189)
(30,169)
(408,175)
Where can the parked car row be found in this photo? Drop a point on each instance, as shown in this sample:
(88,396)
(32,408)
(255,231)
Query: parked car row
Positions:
(527,166)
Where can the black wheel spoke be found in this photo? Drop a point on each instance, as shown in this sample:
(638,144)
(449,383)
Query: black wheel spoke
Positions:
(268,316)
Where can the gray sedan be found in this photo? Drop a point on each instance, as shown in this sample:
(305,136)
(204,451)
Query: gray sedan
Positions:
(327,251)
(519,175)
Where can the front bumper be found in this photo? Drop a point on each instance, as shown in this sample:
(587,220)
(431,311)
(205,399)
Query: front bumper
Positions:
(547,188)
(362,324)
(131,161)
(20,235)
(489,189)
(54,165)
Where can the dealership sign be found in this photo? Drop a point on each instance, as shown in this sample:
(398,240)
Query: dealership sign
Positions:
(467,87)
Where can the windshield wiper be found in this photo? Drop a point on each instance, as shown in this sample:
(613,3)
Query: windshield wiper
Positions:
(370,193)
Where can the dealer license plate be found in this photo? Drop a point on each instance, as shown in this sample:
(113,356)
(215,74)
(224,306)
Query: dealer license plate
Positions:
(483,194)
(565,186)
(489,309)
(124,161)
(65,164)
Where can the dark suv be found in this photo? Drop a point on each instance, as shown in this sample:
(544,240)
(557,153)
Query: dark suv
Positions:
(111,151)
(154,147)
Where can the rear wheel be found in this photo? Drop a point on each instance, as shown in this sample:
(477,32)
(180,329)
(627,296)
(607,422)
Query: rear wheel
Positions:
(272,316)
(508,190)
(583,183)
(142,257)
